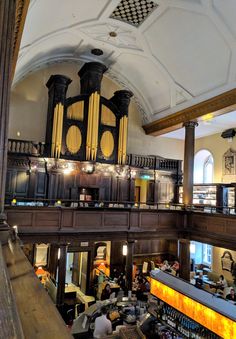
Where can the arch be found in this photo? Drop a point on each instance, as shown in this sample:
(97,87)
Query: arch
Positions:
(203,167)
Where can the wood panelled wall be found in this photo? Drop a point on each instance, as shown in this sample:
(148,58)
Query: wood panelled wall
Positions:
(30,178)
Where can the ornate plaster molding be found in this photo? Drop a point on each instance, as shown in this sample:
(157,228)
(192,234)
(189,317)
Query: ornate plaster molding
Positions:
(20,16)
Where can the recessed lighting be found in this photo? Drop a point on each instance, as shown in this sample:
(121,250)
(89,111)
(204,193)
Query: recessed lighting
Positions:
(18,133)
(97,51)
(113,34)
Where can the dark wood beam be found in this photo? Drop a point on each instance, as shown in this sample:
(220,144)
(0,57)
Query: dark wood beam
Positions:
(218,105)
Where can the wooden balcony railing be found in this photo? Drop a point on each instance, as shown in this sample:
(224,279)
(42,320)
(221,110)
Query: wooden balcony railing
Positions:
(30,148)
(25,147)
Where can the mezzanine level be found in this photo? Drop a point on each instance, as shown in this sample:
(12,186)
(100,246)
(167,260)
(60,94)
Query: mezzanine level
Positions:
(122,220)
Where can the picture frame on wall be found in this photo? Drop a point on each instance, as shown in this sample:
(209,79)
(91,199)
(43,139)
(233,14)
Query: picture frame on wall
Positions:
(227,261)
(229,161)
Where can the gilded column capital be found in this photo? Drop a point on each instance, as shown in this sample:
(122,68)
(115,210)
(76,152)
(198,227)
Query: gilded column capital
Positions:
(190,124)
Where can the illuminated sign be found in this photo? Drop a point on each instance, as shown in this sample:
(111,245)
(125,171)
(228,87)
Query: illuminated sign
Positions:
(215,322)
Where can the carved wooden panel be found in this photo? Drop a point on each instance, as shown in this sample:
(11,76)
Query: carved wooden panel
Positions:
(167,219)
(216,225)
(20,218)
(50,219)
(88,219)
(148,220)
(134,219)
(68,218)
(116,220)
(40,184)
(230,227)
(21,184)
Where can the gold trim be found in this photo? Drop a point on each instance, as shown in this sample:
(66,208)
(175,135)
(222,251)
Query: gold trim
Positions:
(220,104)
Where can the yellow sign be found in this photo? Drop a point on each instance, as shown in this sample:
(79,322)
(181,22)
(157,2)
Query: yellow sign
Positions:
(215,322)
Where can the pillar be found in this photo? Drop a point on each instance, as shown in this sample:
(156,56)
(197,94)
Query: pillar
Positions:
(61,275)
(184,258)
(7,22)
(129,264)
(53,261)
(188,161)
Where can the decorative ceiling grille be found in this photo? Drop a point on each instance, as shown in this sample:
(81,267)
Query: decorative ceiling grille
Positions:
(133,12)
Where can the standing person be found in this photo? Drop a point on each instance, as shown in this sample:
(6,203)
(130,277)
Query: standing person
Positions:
(101,279)
(106,292)
(222,282)
(199,281)
(102,325)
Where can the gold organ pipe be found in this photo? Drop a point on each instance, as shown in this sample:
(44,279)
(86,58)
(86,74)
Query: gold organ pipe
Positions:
(92,130)
(57,130)
(61,129)
(124,146)
(96,123)
(54,131)
(89,129)
(120,141)
(93,125)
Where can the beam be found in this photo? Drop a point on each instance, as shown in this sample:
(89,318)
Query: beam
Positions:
(218,105)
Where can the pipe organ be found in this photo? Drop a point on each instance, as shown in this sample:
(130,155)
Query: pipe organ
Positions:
(87,127)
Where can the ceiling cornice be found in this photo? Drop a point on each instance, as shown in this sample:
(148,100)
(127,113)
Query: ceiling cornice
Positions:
(20,16)
(220,104)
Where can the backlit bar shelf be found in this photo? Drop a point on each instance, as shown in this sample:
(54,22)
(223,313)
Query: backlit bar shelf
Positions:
(213,313)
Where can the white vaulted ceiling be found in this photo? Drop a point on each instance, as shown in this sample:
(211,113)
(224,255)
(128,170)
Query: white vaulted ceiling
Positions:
(182,53)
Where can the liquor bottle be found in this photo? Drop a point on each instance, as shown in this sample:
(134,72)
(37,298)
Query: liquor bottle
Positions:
(164,316)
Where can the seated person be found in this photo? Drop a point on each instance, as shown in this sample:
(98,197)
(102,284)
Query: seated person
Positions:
(199,281)
(106,292)
(165,266)
(231,295)
(175,267)
(222,283)
(102,326)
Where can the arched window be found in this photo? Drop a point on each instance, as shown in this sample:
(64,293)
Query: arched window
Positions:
(203,167)
(208,170)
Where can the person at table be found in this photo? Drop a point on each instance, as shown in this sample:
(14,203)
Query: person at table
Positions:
(165,266)
(199,281)
(106,292)
(222,283)
(231,295)
(103,325)
(175,267)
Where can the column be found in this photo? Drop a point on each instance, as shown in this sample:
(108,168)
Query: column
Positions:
(188,161)
(53,261)
(61,275)
(184,258)
(7,22)
(129,264)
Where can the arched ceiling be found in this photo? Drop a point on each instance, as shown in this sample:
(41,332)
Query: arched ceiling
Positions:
(170,53)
